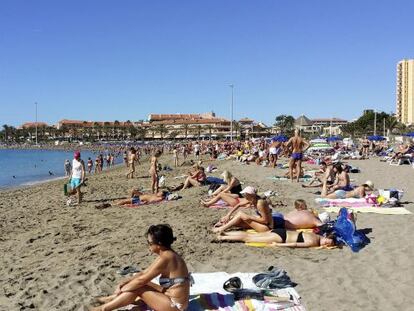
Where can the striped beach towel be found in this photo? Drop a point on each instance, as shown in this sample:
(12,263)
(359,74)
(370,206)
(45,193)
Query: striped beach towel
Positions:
(207,294)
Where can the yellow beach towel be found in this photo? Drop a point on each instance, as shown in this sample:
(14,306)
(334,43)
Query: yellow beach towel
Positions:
(376,210)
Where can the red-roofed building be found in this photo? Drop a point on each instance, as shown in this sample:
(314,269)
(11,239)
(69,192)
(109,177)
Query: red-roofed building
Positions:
(29,125)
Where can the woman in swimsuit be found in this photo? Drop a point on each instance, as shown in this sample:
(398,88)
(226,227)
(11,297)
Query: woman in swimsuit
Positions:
(173,292)
(229,193)
(131,163)
(153,171)
(261,223)
(357,193)
(197,179)
(280,237)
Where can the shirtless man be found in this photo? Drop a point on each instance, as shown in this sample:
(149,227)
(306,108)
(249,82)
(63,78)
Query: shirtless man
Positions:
(298,146)
(138,197)
(342,181)
(300,218)
(323,173)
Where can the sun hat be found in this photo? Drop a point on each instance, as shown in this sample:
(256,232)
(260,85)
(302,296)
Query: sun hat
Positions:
(369,184)
(249,190)
(76,154)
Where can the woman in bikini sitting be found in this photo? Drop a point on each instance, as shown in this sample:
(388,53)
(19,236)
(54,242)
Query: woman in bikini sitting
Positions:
(173,292)
(280,237)
(197,179)
(229,193)
(261,223)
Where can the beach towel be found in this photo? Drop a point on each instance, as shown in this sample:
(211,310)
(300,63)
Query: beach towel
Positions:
(219,204)
(283,178)
(215,180)
(207,293)
(349,202)
(376,210)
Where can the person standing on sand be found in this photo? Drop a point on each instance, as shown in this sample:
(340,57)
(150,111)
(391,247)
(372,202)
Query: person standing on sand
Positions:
(153,171)
(68,168)
(125,156)
(90,165)
(131,163)
(77,176)
(175,156)
(298,146)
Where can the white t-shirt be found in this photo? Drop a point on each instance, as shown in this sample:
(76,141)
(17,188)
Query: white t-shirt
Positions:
(76,169)
(196,148)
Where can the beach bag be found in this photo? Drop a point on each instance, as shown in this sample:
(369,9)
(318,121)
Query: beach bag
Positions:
(345,231)
(391,193)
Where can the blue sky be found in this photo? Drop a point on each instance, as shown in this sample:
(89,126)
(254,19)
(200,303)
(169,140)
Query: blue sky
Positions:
(120,60)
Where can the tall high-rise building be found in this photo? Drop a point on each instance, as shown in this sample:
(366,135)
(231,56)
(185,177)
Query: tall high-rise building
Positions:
(405,91)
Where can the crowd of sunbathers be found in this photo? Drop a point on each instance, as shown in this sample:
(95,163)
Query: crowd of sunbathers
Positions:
(249,219)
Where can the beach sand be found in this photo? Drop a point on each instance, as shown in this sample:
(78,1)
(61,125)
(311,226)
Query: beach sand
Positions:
(56,257)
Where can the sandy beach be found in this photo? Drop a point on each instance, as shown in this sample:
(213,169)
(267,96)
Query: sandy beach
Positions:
(56,257)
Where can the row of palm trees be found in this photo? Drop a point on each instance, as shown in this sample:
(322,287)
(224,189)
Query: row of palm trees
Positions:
(110,131)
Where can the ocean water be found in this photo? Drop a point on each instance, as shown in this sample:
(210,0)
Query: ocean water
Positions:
(25,167)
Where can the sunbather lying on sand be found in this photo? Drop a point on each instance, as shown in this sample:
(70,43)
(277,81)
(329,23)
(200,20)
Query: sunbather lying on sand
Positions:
(261,223)
(229,193)
(279,237)
(357,193)
(300,218)
(138,197)
(173,292)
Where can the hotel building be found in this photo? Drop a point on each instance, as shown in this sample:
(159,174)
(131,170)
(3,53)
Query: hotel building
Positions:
(405,91)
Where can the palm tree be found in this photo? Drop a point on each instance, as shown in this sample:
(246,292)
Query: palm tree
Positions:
(209,127)
(5,130)
(106,129)
(161,130)
(185,128)
(198,129)
(236,128)
(116,128)
(173,134)
(97,130)
(142,132)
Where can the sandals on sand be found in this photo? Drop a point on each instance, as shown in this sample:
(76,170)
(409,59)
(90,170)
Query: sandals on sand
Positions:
(103,205)
(128,270)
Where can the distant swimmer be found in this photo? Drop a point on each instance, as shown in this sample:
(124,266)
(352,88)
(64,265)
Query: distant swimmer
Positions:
(51,173)
(14,176)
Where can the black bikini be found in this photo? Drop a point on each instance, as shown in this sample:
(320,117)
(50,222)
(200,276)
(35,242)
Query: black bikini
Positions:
(236,190)
(282,233)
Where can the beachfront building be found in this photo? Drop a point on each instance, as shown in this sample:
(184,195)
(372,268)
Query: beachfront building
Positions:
(405,91)
(98,130)
(201,126)
(320,126)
